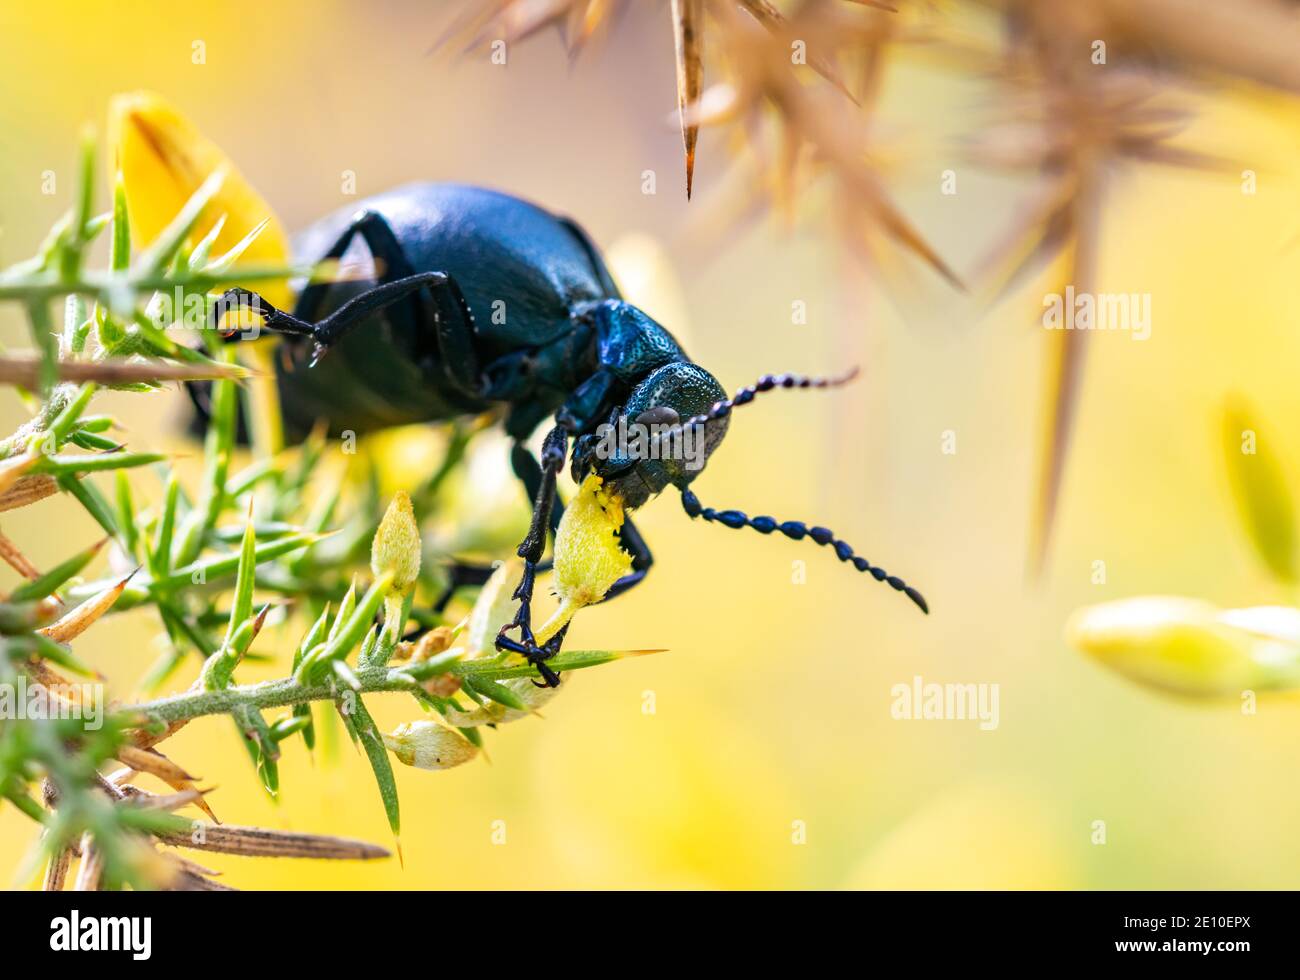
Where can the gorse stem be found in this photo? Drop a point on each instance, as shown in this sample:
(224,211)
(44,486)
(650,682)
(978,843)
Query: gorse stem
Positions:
(288,691)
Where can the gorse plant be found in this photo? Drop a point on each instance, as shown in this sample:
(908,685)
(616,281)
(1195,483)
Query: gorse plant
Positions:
(214,563)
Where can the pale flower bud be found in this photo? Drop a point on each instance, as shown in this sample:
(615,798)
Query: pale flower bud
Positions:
(437,640)
(1192,647)
(495,713)
(442,685)
(494,607)
(429,745)
(396,547)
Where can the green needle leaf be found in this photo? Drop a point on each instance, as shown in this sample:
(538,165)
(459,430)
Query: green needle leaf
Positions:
(60,464)
(88,495)
(47,343)
(120,258)
(245,578)
(161,556)
(39,588)
(342,642)
(126,512)
(373,744)
(494,691)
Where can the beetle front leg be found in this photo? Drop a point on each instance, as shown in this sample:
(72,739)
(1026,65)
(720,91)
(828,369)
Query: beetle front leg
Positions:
(554,449)
(453,321)
(529,472)
(454,325)
(238,299)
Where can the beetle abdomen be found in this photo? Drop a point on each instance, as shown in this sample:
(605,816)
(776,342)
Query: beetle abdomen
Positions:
(521,270)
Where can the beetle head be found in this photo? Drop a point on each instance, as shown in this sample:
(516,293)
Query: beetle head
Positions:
(660,437)
(683,398)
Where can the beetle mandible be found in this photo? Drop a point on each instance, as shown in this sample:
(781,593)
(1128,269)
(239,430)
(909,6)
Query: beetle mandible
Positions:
(483,301)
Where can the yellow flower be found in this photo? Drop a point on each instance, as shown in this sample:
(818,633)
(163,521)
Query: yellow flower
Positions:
(1192,647)
(163,158)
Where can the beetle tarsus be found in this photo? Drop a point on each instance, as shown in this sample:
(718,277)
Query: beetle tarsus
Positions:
(526,646)
(554,449)
(238,300)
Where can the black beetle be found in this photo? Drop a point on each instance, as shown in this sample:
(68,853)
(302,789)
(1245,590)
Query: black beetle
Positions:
(482,301)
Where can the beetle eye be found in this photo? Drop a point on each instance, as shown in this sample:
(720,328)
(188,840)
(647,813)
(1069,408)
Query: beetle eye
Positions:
(659,415)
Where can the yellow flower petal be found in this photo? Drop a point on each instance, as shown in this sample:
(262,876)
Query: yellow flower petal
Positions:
(588,556)
(163,158)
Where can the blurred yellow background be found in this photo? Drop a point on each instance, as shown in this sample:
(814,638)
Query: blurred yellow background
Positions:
(770,759)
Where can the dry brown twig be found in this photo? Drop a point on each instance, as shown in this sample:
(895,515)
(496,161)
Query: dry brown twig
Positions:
(1072,121)
(23,369)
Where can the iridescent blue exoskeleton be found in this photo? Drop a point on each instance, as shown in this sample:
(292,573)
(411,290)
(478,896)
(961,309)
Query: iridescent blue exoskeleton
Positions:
(480,302)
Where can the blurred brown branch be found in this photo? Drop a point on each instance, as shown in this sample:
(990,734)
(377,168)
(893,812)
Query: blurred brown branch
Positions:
(23,369)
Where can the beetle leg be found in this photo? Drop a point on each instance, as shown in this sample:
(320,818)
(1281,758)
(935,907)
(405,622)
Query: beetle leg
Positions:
(589,403)
(454,324)
(540,480)
(333,328)
(554,449)
(238,299)
(529,473)
(385,249)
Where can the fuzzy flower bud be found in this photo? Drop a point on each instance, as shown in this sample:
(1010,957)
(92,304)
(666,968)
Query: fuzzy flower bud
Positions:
(437,640)
(429,745)
(588,556)
(396,547)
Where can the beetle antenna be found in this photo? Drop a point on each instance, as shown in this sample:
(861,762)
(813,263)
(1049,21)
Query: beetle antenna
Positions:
(797,530)
(768,382)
